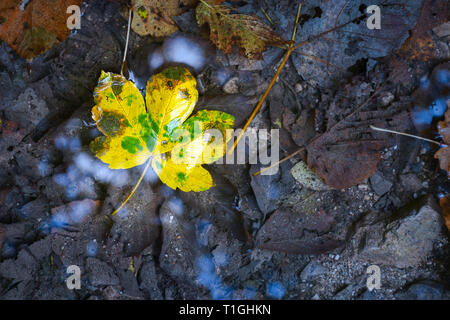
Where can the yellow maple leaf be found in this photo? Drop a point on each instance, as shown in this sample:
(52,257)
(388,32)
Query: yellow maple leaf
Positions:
(136,130)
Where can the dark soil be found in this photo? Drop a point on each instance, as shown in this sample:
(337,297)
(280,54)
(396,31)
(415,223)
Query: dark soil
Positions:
(249,237)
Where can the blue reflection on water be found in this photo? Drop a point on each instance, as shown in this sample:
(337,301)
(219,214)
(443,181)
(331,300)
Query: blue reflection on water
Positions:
(275,290)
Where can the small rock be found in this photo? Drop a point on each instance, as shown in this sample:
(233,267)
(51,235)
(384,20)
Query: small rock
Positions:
(100,273)
(36,209)
(148,281)
(312,271)
(298,87)
(386,99)
(28,109)
(409,242)
(379,184)
(307,177)
(424,291)
(231,86)
(363,187)
(179,247)
(443,30)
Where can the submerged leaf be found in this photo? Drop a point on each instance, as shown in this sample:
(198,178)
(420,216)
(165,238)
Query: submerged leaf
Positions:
(34,27)
(443,154)
(171,98)
(118,110)
(247,31)
(153,17)
(135,130)
(185,176)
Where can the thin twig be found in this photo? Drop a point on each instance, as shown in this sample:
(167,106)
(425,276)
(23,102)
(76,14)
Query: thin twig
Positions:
(128,39)
(405,134)
(267,16)
(291,49)
(317,36)
(328,130)
(260,102)
(296,21)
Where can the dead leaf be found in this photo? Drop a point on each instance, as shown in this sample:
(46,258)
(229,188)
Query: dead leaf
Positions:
(154,17)
(228,29)
(420,46)
(443,154)
(349,152)
(299,233)
(33,27)
(353,42)
(444,202)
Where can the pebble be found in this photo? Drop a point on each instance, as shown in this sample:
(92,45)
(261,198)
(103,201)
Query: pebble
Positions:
(363,187)
(386,99)
(231,86)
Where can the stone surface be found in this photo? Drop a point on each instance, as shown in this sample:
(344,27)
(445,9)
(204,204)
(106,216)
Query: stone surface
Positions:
(179,249)
(379,184)
(410,241)
(100,273)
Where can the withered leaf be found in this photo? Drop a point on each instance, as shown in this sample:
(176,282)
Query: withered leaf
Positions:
(32,28)
(444,202)
(443,154)
(154,17)
(353,42)
(350,151)
(420,46)
(227,29)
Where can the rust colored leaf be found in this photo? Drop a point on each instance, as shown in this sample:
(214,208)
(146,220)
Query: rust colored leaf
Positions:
(443,153)
(228,29)
(154,17)
(349,152)
(299,233)
(445,205)
(32,28)
(420,46)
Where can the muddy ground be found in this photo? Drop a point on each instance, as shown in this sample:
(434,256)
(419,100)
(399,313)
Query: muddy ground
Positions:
(280,236)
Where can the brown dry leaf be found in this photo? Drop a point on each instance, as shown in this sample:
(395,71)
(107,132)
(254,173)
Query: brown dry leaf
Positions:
(154,17)
(32,28)
(227,29)
(444,202)
(443,154)
(350,151)
(420,46)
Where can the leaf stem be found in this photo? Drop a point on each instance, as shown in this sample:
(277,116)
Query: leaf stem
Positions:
(294,32)
(291,49)
(404,134)
(135,187)
(260,102)
(279,162)
(128,39)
